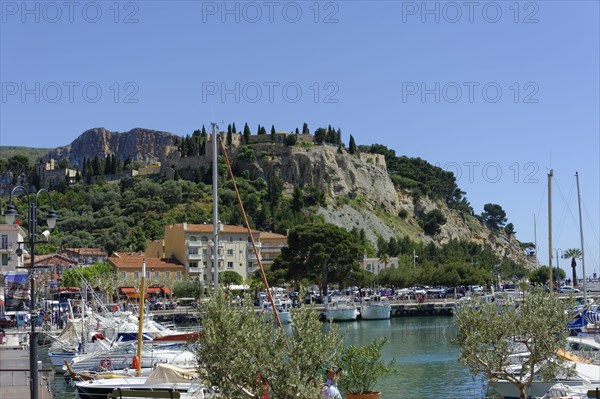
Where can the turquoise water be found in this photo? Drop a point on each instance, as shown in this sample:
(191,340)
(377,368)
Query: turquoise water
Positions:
(425,357)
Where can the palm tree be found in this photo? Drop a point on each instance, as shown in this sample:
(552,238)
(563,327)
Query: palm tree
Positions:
(573,253)
(385,259)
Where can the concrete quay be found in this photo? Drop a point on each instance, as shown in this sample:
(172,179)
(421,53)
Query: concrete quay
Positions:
(14,368)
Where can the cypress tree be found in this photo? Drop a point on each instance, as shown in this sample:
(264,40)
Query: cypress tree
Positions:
(352,145)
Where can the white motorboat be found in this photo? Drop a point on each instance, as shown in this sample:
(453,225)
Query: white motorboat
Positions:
(585,374)
(562,391)
(375,307)
(165,377)
(340,309)
(283,307)
(121,356)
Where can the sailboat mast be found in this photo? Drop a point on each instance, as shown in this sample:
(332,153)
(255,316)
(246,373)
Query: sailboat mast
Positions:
(550,174)
(581,239)
(537,258)
(215,209)
(140,337)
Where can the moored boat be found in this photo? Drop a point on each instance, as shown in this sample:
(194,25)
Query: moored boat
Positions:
(375,307)
(340,309)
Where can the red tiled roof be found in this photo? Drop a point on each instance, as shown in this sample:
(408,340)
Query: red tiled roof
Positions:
(269,235)
(53,260)
(208,228)
(135,260)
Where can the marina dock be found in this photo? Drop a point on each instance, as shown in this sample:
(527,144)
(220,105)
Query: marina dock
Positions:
(14,367)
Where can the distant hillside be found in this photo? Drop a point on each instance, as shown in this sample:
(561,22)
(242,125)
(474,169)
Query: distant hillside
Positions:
(138,144)
(33,154)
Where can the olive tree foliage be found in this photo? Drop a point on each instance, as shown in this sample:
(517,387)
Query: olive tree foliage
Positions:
(487,336)
(239,351)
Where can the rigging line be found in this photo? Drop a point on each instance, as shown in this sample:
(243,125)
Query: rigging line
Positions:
(542,201)
(565,209)
(591,225)
(259,260)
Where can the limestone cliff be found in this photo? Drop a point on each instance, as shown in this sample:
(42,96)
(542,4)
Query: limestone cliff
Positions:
(139,144)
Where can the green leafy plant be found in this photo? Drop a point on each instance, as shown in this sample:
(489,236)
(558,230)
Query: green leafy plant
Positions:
(362,366)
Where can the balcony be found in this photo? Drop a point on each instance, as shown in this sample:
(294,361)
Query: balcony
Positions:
(258,245)
(212,244)
(195,256)
(251,257)
(193,244)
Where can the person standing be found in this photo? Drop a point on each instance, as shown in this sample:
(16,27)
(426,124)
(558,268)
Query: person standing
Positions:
(330,389)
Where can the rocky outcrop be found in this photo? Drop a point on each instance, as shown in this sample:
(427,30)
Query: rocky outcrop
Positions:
(338,174)
(139,144)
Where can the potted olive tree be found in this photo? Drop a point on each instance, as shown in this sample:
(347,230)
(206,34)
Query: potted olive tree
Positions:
(361,369)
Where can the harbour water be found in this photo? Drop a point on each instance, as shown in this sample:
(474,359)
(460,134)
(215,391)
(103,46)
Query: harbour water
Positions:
(426,359)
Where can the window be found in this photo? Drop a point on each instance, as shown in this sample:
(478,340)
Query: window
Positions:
(178,275)
(122,275)
(147,274)
(136,275)
(4,241)
(230,239)
(204,277)
(193,264)
(193,251)
(4,259)
(230,252)
(230,265)
(156,274)
(168,274)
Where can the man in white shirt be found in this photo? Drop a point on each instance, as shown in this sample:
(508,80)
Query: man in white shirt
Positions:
(330,389)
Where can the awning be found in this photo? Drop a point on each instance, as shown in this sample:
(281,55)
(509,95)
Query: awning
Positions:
(153,290)
(167,290)
(127,290)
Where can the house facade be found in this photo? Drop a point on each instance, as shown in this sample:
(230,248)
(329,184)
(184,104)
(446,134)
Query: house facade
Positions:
(128,267)
(85,256)
(10,237)
(375,265)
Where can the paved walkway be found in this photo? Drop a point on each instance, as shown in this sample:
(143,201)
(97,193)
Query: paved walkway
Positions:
(14,368)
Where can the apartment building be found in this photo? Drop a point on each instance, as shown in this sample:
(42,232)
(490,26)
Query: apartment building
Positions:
(192,245)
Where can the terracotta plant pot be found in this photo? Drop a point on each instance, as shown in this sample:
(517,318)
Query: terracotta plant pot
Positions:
(367,395)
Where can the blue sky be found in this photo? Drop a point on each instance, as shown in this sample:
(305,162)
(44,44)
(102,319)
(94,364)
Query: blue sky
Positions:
(498,92)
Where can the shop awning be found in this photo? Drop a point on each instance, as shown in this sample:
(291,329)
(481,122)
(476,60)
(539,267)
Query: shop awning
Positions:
(127,290)
(167,290)
(153,290)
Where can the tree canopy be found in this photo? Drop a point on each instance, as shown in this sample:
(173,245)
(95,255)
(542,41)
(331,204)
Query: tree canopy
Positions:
(321,252)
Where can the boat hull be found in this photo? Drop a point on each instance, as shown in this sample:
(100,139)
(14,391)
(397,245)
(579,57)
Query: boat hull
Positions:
(375,312)
(341,314)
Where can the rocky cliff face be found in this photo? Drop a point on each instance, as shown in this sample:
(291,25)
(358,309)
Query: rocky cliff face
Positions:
(337,174)
(342,175)
(139,144)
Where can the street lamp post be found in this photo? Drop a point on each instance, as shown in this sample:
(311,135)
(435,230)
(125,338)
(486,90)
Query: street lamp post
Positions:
(10,215)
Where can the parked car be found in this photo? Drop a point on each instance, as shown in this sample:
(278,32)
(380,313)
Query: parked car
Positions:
(568,290)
